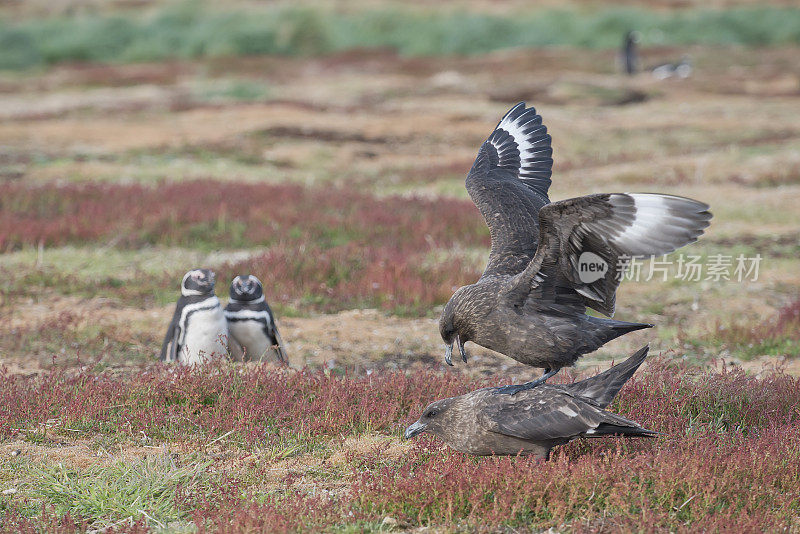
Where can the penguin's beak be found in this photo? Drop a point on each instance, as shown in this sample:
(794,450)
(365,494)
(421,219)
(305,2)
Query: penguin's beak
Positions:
(413,430)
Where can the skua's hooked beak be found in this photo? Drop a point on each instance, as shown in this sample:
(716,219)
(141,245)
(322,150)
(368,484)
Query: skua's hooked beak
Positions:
(461,349)
(413,430)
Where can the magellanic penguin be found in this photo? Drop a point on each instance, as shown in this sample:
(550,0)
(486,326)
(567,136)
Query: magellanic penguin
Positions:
(629,54)
(198,330)
(254,334)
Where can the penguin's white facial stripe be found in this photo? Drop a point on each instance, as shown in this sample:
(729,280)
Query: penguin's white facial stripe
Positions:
(190,292)
(187,275)
(246,285)
(205,290)
(198,282)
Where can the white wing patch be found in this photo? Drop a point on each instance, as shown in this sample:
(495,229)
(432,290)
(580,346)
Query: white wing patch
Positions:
(651,214)
(660,223)
(567,411)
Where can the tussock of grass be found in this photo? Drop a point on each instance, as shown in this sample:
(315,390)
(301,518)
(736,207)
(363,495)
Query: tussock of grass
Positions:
(147,490)
(190,30)
(262,406)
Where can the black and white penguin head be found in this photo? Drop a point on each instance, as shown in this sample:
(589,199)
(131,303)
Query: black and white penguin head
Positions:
(198,282)
(246,288)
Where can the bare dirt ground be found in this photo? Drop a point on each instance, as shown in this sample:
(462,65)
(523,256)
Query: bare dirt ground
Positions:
(357,340)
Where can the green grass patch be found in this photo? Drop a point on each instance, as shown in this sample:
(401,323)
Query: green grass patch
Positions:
(133,277)
(192,30)
(148,489)
(237,90)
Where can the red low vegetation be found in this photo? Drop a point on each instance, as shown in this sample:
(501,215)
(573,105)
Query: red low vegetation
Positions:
(728,456)
(263,405)
(228,215)
(353,276)
(788,320)
(329,249)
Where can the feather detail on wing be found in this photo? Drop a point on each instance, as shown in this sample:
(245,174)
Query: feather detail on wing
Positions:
(606,230)
(550,413)
(523,147)
(169,347)
(280,346)
(508,183)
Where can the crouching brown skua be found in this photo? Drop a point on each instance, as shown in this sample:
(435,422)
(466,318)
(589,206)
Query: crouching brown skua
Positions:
(487,421)
(550,261)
